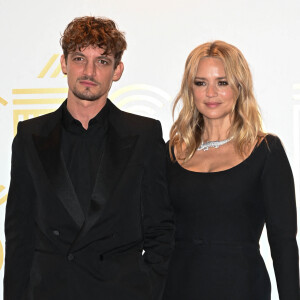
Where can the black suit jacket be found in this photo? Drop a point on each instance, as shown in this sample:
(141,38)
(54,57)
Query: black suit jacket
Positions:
(52,251)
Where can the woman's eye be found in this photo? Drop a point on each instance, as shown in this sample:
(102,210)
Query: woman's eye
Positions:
(199,83)
(223,82)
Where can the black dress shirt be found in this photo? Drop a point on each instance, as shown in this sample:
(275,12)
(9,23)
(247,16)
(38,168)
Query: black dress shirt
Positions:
(82,151)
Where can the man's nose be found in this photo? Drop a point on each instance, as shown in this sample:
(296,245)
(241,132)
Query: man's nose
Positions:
(89,68)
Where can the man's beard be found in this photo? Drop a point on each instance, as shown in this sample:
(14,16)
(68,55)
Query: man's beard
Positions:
(86,94)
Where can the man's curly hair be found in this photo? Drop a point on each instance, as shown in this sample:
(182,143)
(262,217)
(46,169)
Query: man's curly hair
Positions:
(90,31)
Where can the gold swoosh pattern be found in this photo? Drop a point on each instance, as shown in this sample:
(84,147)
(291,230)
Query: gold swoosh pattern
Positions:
(1,256)
(3,102)
(48,65)
(27,114)
(38,101)
(56,71)
(40,91)
(3,199)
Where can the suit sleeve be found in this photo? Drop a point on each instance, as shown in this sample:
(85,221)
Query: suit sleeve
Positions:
(19,226)
(281,219)
(158,225)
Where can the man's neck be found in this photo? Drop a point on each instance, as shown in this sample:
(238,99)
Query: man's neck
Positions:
(84,111)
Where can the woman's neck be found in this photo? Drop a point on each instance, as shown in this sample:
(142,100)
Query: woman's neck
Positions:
(216,130)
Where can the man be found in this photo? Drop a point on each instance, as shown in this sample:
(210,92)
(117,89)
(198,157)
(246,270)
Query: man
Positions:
(88,194)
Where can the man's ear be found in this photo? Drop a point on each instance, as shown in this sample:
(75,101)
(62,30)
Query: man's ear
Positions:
(118,71)
(63,64)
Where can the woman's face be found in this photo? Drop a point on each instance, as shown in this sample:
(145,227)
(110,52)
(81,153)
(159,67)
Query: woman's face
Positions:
(213,96)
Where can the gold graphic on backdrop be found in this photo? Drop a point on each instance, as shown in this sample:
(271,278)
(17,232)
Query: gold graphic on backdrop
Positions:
(296,87)
(4,198)
(1,256)
(40,91)
(142,99)
(32,98)
(3,102)
(52,62)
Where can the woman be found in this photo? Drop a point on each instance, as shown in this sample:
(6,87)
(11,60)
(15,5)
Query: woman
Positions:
(227,178)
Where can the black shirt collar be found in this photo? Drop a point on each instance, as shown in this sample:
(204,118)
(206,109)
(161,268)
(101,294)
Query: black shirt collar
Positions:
(72,125)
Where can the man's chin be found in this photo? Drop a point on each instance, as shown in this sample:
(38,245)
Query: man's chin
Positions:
(89,99)
(86,96)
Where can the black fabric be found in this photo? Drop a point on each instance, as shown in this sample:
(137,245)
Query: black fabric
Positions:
(54,250)
(82,151)
(219,220)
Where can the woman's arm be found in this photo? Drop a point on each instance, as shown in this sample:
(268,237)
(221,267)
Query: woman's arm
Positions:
(281,219)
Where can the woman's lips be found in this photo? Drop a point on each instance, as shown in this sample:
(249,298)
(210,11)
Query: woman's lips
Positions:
(212,104)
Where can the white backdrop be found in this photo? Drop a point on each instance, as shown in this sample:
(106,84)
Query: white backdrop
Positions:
(160,34)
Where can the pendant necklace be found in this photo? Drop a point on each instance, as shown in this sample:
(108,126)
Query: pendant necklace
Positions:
(213,144)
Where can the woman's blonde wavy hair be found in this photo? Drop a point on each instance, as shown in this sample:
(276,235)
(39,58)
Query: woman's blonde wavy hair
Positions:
(246,127)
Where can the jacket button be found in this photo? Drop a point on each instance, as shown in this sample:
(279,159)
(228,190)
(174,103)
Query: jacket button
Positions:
(70,257)
(56,232)
(198,241)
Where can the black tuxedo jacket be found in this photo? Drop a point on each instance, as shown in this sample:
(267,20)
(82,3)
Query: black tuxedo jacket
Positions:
(54,252)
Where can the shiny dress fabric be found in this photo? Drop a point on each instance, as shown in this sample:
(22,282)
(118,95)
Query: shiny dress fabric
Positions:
(219,220)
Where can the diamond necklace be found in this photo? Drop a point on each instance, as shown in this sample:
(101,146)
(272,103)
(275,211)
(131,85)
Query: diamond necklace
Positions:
(213,144)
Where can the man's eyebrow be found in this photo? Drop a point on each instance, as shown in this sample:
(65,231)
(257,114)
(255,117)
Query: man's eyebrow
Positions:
(104,57)
(77,53)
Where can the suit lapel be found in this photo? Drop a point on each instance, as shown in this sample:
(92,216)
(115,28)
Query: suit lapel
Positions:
(50,154)
(115,157)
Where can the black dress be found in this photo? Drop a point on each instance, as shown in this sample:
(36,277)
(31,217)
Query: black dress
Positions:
(219,220)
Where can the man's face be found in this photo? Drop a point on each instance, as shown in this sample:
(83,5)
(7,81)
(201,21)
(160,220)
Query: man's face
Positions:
(90,73)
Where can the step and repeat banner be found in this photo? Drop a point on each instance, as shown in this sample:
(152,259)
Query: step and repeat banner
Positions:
(160,35)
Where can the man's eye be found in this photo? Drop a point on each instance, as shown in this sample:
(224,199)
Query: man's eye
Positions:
(103,62)
(223,82)
(78,58)
(199,83)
